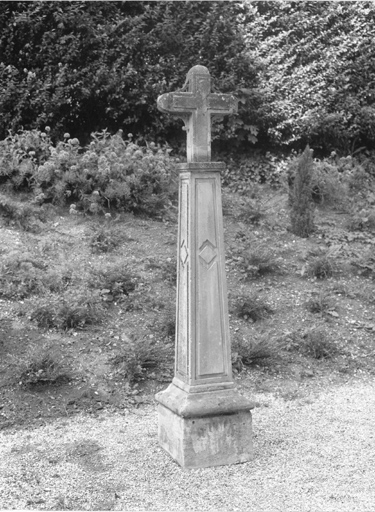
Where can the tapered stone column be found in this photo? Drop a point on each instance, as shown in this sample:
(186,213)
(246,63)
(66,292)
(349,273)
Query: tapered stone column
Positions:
(203,421)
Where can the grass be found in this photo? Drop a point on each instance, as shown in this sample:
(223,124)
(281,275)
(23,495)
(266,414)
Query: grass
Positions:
(258,261)
(75,308)
(320,302)
(251,307)
(318,343)
(141,356)
(41,365)
(248,351)
(321,267)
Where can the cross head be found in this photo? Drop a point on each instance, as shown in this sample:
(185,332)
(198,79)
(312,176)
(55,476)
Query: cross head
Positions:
(195,104)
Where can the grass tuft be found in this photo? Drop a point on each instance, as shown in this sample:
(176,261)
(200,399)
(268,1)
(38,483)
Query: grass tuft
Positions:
(251,307)
(41,366)
(253,351)
(140,356)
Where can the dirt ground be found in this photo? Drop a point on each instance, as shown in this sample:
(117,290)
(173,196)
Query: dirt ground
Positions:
(149,249)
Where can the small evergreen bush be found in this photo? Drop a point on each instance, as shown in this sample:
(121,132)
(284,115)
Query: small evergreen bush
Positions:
(300,195)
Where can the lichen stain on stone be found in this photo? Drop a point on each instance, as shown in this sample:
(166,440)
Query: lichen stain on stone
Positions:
(210,438)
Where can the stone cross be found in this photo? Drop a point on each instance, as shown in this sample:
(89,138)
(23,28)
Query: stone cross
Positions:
(195,104)
(203,421)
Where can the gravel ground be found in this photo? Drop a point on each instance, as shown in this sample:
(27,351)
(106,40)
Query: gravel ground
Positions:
(312,454)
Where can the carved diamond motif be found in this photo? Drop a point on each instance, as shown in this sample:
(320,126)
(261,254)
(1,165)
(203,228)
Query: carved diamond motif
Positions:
(184,253)
(208,252)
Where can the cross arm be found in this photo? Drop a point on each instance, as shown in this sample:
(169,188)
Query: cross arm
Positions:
(177,103)
(222,104)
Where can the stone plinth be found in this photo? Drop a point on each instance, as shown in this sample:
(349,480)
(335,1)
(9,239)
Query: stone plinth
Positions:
(203,421)
(205,429)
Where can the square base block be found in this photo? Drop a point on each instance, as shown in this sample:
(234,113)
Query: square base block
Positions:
(206,441)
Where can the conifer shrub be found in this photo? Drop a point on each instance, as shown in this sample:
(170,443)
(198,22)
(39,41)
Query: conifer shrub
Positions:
(300,195)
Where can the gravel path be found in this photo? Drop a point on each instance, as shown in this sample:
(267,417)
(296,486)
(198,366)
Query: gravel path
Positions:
(313,454)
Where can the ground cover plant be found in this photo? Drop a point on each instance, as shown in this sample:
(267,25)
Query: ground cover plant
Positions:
(87,302)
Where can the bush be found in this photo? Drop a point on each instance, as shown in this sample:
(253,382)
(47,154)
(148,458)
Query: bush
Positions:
(21,214)
(300,195)
(21,153)
(109,174)
(327,185)
(246,171)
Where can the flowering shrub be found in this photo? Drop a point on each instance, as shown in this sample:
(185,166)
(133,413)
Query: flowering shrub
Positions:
(21,154)
(111,173)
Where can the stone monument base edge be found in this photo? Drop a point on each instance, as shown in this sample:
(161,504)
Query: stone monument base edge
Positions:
(205,429)
(206,441)
(209,403)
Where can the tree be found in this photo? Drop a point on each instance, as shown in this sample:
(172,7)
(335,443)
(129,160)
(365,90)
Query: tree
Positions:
(318,75)
(84,66)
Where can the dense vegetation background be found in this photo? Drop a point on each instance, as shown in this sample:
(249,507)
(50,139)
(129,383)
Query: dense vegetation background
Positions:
(304,71)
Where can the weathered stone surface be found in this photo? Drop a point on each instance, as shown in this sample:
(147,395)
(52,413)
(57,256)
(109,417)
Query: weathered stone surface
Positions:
(203,421)
(208,440)
(202,335)
(206,402)
(196,104)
